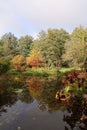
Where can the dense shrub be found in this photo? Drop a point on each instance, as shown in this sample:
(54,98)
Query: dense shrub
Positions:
(4,66)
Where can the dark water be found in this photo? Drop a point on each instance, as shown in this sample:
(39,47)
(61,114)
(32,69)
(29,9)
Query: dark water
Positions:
(30,104)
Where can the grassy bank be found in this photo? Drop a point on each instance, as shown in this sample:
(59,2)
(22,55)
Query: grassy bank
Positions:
(45,72)
(35,72)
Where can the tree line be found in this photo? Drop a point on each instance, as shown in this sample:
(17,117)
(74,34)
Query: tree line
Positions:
(54,48)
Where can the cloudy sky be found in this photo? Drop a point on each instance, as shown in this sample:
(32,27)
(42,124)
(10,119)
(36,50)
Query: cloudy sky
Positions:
(23,17)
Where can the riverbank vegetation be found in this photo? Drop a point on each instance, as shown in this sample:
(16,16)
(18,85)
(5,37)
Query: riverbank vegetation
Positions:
(51,50)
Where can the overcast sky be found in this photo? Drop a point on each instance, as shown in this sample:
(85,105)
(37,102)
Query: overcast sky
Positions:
(23,17)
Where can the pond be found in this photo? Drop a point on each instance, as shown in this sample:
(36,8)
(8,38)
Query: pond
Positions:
(28,103)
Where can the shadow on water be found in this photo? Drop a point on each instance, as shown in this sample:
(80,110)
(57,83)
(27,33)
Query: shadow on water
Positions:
(31,101)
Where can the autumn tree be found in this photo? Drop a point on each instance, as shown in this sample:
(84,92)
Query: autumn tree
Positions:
(18,62)
(35,59)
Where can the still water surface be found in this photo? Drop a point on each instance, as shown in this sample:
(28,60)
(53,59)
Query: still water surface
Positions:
(29,104)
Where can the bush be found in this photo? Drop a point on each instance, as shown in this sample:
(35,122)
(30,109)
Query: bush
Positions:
(4,66)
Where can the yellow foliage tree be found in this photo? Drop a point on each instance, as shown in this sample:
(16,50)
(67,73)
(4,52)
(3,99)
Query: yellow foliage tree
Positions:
(35,59)
(18,62)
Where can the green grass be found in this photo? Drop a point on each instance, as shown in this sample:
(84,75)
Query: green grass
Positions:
(45,72)
(12,72)
(26,73)
(63,70)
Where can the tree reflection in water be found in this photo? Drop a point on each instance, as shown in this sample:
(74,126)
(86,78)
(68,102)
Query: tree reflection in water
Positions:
(43,90)
(35,86)
(25,96)
(10,92)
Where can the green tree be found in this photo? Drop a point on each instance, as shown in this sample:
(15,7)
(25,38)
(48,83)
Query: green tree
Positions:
(74,53)
(10,45)
(76,47)
(1,48)
(42,35)
(4,65)
(24,44)
(53,46)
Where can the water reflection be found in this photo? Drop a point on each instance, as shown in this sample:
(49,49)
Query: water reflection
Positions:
(35,86)
(43,90)
(12,89)
(37,95)
(76,108)
(25,96)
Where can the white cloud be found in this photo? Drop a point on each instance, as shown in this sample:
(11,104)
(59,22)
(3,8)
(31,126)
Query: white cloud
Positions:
(29,16)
